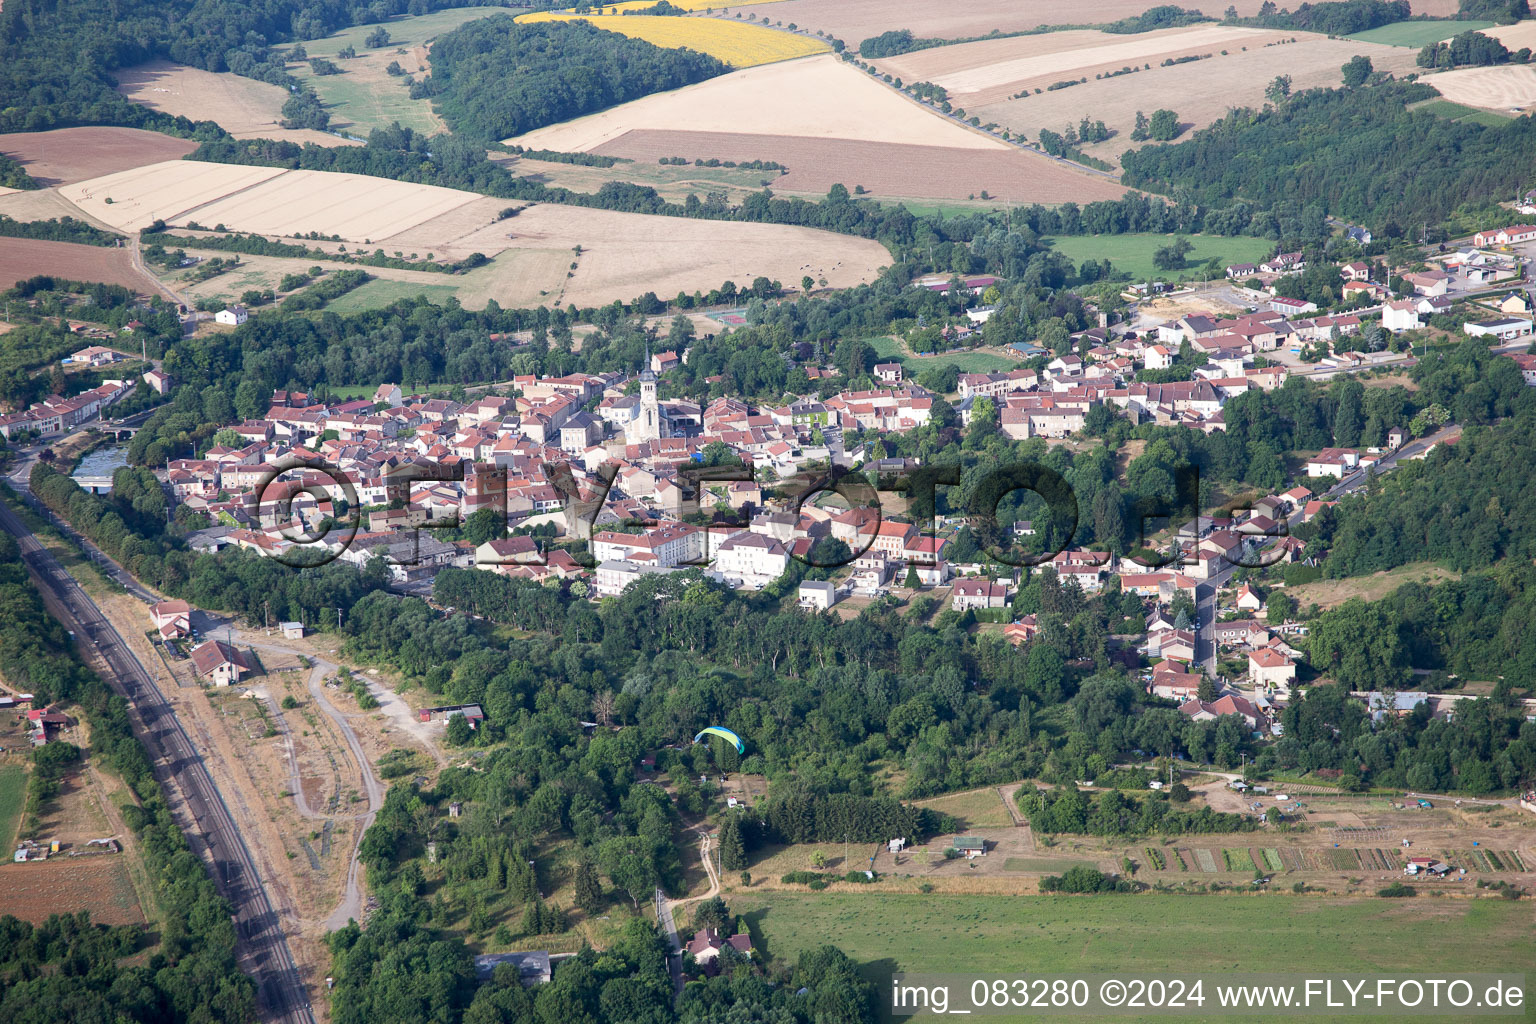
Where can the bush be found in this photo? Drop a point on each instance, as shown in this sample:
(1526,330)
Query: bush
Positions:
(1081,878)
(1396,891)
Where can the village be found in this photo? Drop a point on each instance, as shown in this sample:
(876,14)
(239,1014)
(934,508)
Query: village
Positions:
(603,482)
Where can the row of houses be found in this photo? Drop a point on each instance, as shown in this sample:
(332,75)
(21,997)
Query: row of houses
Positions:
(56,414)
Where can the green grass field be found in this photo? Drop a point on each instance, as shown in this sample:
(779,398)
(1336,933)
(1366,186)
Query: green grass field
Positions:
(1045,934)
(1133,253)
(13,796)
(364,97)
(380,292)
(966,362)
(1457,112)
(1417,34)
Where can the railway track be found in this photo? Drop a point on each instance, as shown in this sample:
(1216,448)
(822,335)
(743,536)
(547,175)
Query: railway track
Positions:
(261,947)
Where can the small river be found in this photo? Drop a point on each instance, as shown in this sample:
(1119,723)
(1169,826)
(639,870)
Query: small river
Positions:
(103,461)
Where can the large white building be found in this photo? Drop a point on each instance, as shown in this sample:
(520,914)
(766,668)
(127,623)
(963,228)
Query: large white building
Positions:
(613,576)
(668,545)
(750,560)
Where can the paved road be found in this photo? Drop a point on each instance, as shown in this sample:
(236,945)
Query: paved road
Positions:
(261,946)
(1206,591)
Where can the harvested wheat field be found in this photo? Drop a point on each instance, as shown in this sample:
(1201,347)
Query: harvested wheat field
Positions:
(21,258)
(68,155)
(883,168)
(130,200)
(625,255)
(1200,91)
(821,97)
(267,200)
(244,107)
(856,20)
(1511,87)
(355,206)
(472,227)
(1514,37)
(736,43)
(994,69)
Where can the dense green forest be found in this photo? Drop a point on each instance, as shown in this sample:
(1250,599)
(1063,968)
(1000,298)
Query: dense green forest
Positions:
(493,78)
(67,968)
(1463,505)
(1358,154)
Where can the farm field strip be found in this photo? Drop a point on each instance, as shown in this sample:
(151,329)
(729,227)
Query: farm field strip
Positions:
(991,64)
(13,797)
(1200,92)
(268,200)
(133,199)
(21,258)
(819,97)
(67,885)
(66,155)
(354,206)
(623,255)
(882,168)
(737,44)
(1418,34)
(856,20)
(889,932)
(1507,87)
(1514,37)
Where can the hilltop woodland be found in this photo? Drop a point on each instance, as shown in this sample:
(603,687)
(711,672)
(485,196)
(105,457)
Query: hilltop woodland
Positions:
(67,968)
(1358,154)
(492,78)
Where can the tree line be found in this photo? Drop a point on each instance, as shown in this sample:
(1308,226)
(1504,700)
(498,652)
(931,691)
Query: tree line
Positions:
(66,961)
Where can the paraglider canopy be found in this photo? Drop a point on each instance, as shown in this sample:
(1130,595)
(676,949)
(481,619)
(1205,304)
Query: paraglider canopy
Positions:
(725,734)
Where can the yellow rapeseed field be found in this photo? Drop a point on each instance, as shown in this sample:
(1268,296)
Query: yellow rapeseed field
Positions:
(739,45)
(687,5)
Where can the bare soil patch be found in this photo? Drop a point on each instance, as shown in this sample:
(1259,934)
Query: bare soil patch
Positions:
(820,97)
(883,168)
(21,258)
(66,885)
(68,155)
(244,107)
